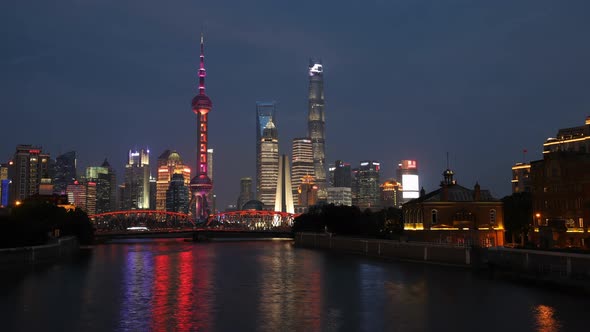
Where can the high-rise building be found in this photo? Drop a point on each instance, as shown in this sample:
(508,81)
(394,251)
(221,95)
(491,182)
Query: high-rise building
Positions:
(82,194)
(137,180)
(177,195)
(407,172)
(265,113)
(169,163)
(340,196)
(316,125)
(4,184)
(102,178)
(331,169)
(342,174)
(153,187)
(391,193)
(201,185)
(521,178)
(28,166)
(284,194)
(211,198)
(64,172)
(307,193)
(269,166)
(112,178)
(574,139)
(246,194)
(367,185)
(302,161)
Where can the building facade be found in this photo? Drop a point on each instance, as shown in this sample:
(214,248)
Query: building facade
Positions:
(307,193)
(391,194)
(246,193)
(342,174)
(521,179)
(177,194)
(456,215)
(265,113)
(368,195)
(4,185)
(169,163)
(316,122)
(269,166)
(64,172)
(137,180)
(28,166)
(574,139)
(101,177)
(340,196)
(302,161)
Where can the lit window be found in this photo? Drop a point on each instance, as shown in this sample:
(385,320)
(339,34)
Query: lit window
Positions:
(434,219)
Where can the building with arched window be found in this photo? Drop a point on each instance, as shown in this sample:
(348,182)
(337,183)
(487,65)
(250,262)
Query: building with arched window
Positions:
(455,214)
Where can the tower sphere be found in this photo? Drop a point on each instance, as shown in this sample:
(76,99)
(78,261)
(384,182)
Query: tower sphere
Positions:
(200,102)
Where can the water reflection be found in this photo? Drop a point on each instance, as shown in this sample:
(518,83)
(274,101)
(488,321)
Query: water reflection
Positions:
(545,319)
(263,286)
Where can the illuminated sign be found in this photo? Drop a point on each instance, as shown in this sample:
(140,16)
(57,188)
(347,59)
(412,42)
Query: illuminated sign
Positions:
(407,164)
(410,194)
(410,183)
(316,69)
(364,164)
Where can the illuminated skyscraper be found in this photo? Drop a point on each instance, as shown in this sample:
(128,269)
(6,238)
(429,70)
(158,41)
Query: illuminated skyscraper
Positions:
(28,167)
(302,162)
(307,193)
(407,172)
(65,172)
(246,194)
(137,180)
(342,174)
(265,112)
(177,194)
(102,177)
(169,163)
(284,194)
(269,165)
(316,124)
(201,184)
(391,194)
(367,184)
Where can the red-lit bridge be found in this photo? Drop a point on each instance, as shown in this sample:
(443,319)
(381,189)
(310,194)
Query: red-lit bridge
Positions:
(153,223)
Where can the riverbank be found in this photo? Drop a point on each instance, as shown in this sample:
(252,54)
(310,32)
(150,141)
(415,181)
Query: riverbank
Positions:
(62,248)
(559,270)
(407,251)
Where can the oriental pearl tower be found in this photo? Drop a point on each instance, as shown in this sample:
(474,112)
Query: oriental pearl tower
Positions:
(201,184)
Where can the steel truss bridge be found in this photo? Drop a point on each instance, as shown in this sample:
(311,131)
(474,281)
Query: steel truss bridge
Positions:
(160,222)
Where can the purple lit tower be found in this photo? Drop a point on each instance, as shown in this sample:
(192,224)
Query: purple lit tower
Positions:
(201,184)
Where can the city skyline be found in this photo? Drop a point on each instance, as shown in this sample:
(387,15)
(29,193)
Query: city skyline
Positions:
(421,99)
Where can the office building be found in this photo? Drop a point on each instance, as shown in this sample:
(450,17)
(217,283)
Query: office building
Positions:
(137,180)
(316,125)
(269,166)
(265,113)
(367,185)
(284,193)
(201,185)
(340,196)
(521,179)
(307,193)
(391,194)
(574,139)
(64,172)
(82,194)
(407,173)
(169,163)
(102,177)
(246,193)
(177,194)
(342,174)
(302,161)
(28,166)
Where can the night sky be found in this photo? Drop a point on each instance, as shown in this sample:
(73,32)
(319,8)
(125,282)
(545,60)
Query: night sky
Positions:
(404,79)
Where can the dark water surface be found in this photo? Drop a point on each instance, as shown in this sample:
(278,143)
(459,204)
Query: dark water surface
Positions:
(270,286)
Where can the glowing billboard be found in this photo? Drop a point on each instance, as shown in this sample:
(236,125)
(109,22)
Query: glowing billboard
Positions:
(410,185)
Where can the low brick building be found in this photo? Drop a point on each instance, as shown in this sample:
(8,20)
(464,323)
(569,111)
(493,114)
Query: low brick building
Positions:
(455,214)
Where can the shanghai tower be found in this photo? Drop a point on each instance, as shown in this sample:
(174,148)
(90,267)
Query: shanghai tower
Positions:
(316,125)
(201,185)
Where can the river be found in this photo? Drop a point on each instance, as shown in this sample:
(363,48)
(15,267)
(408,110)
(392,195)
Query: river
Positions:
(172,285)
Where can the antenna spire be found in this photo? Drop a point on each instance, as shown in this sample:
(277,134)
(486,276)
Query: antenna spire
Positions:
(202,73)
